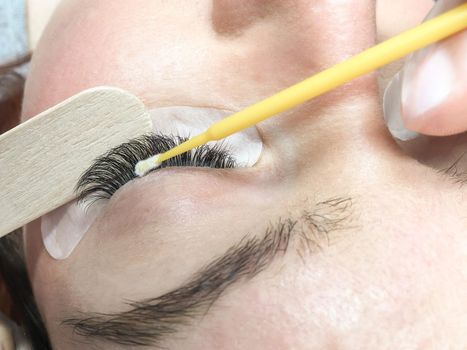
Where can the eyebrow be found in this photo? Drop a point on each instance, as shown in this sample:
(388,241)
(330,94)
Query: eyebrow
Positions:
(151,321)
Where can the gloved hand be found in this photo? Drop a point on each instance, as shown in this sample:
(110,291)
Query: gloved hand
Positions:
(429,95)
(6,335)
(12,337)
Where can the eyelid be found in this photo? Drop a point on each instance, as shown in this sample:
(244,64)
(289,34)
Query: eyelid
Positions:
(243,149)
(64,228)
(116,168)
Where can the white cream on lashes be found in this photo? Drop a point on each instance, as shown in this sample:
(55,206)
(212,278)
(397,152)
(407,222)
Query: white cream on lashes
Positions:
(64,228)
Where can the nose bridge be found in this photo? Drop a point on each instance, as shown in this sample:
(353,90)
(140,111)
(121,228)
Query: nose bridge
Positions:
(343,121)
(347,133)
(290,40)
(323,31)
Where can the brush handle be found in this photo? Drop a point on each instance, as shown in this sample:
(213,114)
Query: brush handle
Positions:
(388,51)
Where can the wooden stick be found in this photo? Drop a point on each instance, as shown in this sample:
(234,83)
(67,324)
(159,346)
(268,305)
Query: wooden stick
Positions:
(41,160)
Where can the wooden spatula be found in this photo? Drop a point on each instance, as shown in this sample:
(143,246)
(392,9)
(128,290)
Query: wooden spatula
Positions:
(42,159)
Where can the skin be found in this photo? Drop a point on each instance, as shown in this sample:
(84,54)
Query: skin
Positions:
(447,117)
(393,275)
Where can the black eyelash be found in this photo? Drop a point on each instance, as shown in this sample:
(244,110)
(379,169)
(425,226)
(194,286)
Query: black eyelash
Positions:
(113,170)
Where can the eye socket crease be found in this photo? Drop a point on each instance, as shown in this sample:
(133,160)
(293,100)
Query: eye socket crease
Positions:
(114,169)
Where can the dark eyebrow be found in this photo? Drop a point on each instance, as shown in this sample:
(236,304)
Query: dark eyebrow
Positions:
(149,322)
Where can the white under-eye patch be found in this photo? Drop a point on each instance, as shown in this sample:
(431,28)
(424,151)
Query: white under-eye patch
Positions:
(245,146)
(63,228)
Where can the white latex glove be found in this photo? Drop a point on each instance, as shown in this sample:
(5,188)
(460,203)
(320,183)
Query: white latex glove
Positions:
(429,95)
(11,336)
(6,337)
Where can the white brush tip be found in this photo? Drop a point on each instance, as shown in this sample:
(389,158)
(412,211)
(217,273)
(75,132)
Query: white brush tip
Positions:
(145,166)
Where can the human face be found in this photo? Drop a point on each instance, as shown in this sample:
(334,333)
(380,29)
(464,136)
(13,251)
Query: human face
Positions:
(333,239)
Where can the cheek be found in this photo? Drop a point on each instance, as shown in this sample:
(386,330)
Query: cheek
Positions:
(79,50)
(119,43)
(409,13)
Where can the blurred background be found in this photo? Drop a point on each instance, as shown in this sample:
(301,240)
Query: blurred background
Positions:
(21,25)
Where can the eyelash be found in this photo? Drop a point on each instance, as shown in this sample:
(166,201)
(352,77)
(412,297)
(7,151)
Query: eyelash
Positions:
(116,168)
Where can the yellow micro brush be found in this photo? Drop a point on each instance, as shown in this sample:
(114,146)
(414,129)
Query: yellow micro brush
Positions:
(389,51)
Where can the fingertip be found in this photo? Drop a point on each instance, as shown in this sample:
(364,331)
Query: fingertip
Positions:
(434,89)
(392,110)
(449,118)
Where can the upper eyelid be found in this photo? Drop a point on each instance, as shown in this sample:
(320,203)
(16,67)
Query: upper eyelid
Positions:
(114,169)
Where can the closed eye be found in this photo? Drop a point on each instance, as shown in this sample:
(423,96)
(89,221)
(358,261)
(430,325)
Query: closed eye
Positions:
(116,168)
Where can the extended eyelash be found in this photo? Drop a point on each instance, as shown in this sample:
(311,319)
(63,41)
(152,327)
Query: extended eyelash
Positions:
(113,170)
